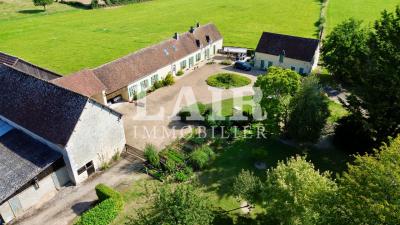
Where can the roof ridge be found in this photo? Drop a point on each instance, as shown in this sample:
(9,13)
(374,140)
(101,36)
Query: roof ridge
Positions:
(288,35)
(148,47)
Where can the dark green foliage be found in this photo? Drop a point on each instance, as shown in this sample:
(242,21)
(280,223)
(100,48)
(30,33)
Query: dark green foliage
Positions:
(94,4)
(121,2)
(180,73)
(370,65)
(151,154)
(169,80)
(228,80)
(184,114)
(247,186)
(111,203)
(43,3)
(158,84)
(369,192)
(309,112)
(180,176)
(352,134)
(176,206)
(344,51)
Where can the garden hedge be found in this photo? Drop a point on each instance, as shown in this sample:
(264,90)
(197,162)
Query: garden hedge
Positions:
(111,204)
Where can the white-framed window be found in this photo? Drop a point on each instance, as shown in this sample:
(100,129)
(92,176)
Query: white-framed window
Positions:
(183,64)
(154,79)
(198,57)
(144,84)
(133,90)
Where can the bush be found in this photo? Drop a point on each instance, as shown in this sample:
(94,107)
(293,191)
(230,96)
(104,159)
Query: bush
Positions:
(170,165)
(158,84)
(151,155)
(180,176)
(200,157)
(94,4)
(105,192)
(180,73)
(226,62)
(169,80)
(111,203)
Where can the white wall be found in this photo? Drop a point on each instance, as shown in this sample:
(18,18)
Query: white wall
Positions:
(162,72)
(287,62)
(33,197)
(97,137)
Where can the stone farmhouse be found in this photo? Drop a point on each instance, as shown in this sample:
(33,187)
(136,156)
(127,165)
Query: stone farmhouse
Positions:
(137,72)
(290,52)
(49,136)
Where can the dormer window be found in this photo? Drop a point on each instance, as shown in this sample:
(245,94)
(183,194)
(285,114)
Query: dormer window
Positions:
(208,39)
(198,43)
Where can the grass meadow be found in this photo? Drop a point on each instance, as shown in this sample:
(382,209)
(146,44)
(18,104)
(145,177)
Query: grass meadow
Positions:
(72,40)
(366,10)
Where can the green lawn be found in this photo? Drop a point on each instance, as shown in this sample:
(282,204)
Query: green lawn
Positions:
(228,80)
(69,41)
(367,10)
(16,9)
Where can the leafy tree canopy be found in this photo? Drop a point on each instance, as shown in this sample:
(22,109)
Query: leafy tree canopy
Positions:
(43,3)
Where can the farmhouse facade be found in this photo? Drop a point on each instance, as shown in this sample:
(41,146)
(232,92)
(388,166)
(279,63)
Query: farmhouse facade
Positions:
(49,136)
(136,73)
(290,52)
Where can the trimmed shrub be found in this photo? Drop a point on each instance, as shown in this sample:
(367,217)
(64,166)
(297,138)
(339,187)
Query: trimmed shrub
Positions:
(105,192)
(151,155)
(169,80)
(111,204)
(180,73)
(184,114)
(158,84)
(227,80)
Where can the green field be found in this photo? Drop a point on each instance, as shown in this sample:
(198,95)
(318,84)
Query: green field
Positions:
(69,41)
(367,10)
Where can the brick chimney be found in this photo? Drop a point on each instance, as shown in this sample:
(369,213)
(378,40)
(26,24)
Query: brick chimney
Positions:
(176,36)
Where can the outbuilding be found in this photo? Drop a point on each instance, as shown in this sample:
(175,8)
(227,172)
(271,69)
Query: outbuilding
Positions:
(296,53)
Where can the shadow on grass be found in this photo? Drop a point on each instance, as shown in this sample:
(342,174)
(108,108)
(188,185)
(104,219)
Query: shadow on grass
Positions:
(219,177)
(77,5)
(31,11)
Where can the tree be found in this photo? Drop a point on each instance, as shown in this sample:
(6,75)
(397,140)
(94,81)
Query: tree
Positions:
(176,206)
(369,192)
(344,51)
(278,86)
(43,3)
(296,193)
(247,186)
(309,112)
(370,62)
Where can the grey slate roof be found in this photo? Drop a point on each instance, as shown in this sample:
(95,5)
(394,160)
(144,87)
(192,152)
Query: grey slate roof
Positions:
(39,106)
(22,158)
(293,47)
(27,67)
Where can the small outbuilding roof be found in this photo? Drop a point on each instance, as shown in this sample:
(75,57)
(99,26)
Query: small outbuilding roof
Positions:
(27,67)
(83,82)
(230,49)
(22,159)
(291,46)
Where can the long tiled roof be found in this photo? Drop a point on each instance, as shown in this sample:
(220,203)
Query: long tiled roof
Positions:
(119,73)
(27,67)
(39,106)
(83,82)
(292,47)
(22,158)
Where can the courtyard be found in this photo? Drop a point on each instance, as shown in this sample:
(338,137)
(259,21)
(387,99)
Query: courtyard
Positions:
(161,131)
